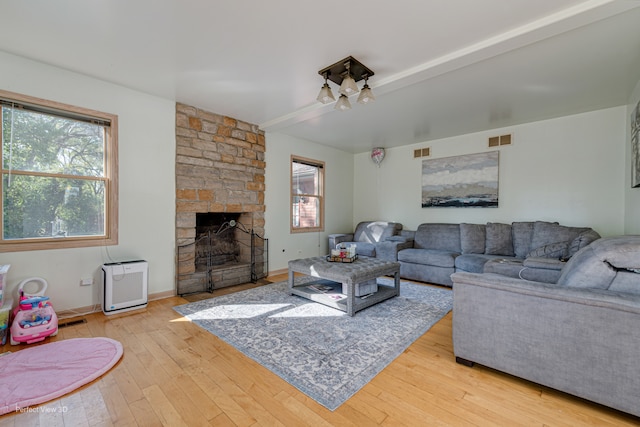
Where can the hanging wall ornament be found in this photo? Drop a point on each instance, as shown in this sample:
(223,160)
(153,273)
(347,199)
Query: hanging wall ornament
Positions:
(377,155)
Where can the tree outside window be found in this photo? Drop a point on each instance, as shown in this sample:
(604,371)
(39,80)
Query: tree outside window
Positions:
(59,186)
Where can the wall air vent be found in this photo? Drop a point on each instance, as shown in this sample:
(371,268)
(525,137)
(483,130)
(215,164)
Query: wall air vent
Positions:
(497,141)
(422,152)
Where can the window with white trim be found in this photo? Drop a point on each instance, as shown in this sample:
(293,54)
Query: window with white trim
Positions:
(59,175)
(307,195)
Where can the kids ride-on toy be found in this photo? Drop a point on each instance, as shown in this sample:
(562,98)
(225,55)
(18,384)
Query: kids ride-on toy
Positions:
(34,318)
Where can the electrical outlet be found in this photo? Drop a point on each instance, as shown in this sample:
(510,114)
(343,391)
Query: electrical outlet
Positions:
(86,281)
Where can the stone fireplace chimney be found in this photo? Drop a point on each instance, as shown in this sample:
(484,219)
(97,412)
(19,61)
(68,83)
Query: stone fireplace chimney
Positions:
(219,170)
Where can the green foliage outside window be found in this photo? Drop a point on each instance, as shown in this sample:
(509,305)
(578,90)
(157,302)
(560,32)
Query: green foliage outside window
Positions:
(53,176)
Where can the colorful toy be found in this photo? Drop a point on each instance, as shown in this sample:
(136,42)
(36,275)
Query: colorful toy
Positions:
(34,318)
(5,311)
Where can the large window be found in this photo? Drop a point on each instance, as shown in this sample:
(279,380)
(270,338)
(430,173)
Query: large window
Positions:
(59,175)
(307,195)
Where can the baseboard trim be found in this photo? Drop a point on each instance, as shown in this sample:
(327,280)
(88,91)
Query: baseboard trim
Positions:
(78,312)
(277,272)
(82,311)
(162,295)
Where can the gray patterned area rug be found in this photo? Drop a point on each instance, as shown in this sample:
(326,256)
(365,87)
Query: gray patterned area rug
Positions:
(319,350)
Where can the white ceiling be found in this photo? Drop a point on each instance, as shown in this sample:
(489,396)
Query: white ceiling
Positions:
(442,67)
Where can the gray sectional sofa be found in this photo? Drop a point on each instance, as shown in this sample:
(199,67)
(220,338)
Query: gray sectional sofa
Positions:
(532,250)
(580,335)
(535,250)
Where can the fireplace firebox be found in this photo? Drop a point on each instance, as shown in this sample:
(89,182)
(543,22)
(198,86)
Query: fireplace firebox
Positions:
(217,241)
(226,253)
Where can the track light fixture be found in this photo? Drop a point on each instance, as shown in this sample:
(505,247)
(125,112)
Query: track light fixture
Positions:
(346,73)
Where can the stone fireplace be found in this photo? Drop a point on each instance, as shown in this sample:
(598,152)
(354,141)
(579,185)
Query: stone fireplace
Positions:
(219,201)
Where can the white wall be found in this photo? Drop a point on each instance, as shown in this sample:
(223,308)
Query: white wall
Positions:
(632,195)
(339,176)
(570,170)
(147,184)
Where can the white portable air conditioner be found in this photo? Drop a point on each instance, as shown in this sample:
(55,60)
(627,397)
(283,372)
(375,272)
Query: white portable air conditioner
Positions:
(124,286)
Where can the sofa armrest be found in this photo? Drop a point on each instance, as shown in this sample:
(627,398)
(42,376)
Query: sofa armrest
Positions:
(388,249)
(399,239)
(410,234)
(587,296)
(334,239)
(580,341)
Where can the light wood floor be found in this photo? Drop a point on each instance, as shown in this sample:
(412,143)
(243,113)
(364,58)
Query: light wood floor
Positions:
(174,373)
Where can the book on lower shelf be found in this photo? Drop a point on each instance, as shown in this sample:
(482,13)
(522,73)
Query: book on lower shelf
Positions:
(320,288)
(328,291)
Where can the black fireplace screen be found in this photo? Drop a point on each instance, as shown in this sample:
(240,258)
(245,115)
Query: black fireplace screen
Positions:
(222,242)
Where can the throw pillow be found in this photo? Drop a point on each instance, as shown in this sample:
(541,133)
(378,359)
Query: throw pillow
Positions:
(546,233)
(375,231)
(498,239)
(472,238)
(583,239)
(554,250)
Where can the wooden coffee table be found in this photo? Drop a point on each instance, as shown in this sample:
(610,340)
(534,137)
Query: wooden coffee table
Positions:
(335,274)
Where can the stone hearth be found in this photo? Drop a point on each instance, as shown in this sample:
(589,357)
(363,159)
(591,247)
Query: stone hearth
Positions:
(219,169)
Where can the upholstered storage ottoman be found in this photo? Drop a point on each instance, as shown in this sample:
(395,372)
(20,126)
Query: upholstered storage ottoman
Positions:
(360,272)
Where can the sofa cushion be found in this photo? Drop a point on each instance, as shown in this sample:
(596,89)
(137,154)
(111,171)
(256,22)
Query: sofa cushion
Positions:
(434,257)
(443,237)
(626,281)
(544,263)
(543,275)
(521,233)
(365,249)
(375,231)
(504,266)
(473,263)
(498,239)
(559,250)
(472,237)
(544,270)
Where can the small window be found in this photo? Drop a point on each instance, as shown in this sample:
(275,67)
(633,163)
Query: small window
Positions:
(307,195)
(59,175)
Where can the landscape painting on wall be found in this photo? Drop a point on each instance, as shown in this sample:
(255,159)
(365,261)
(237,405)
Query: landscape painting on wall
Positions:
(461,181)
(635,146)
